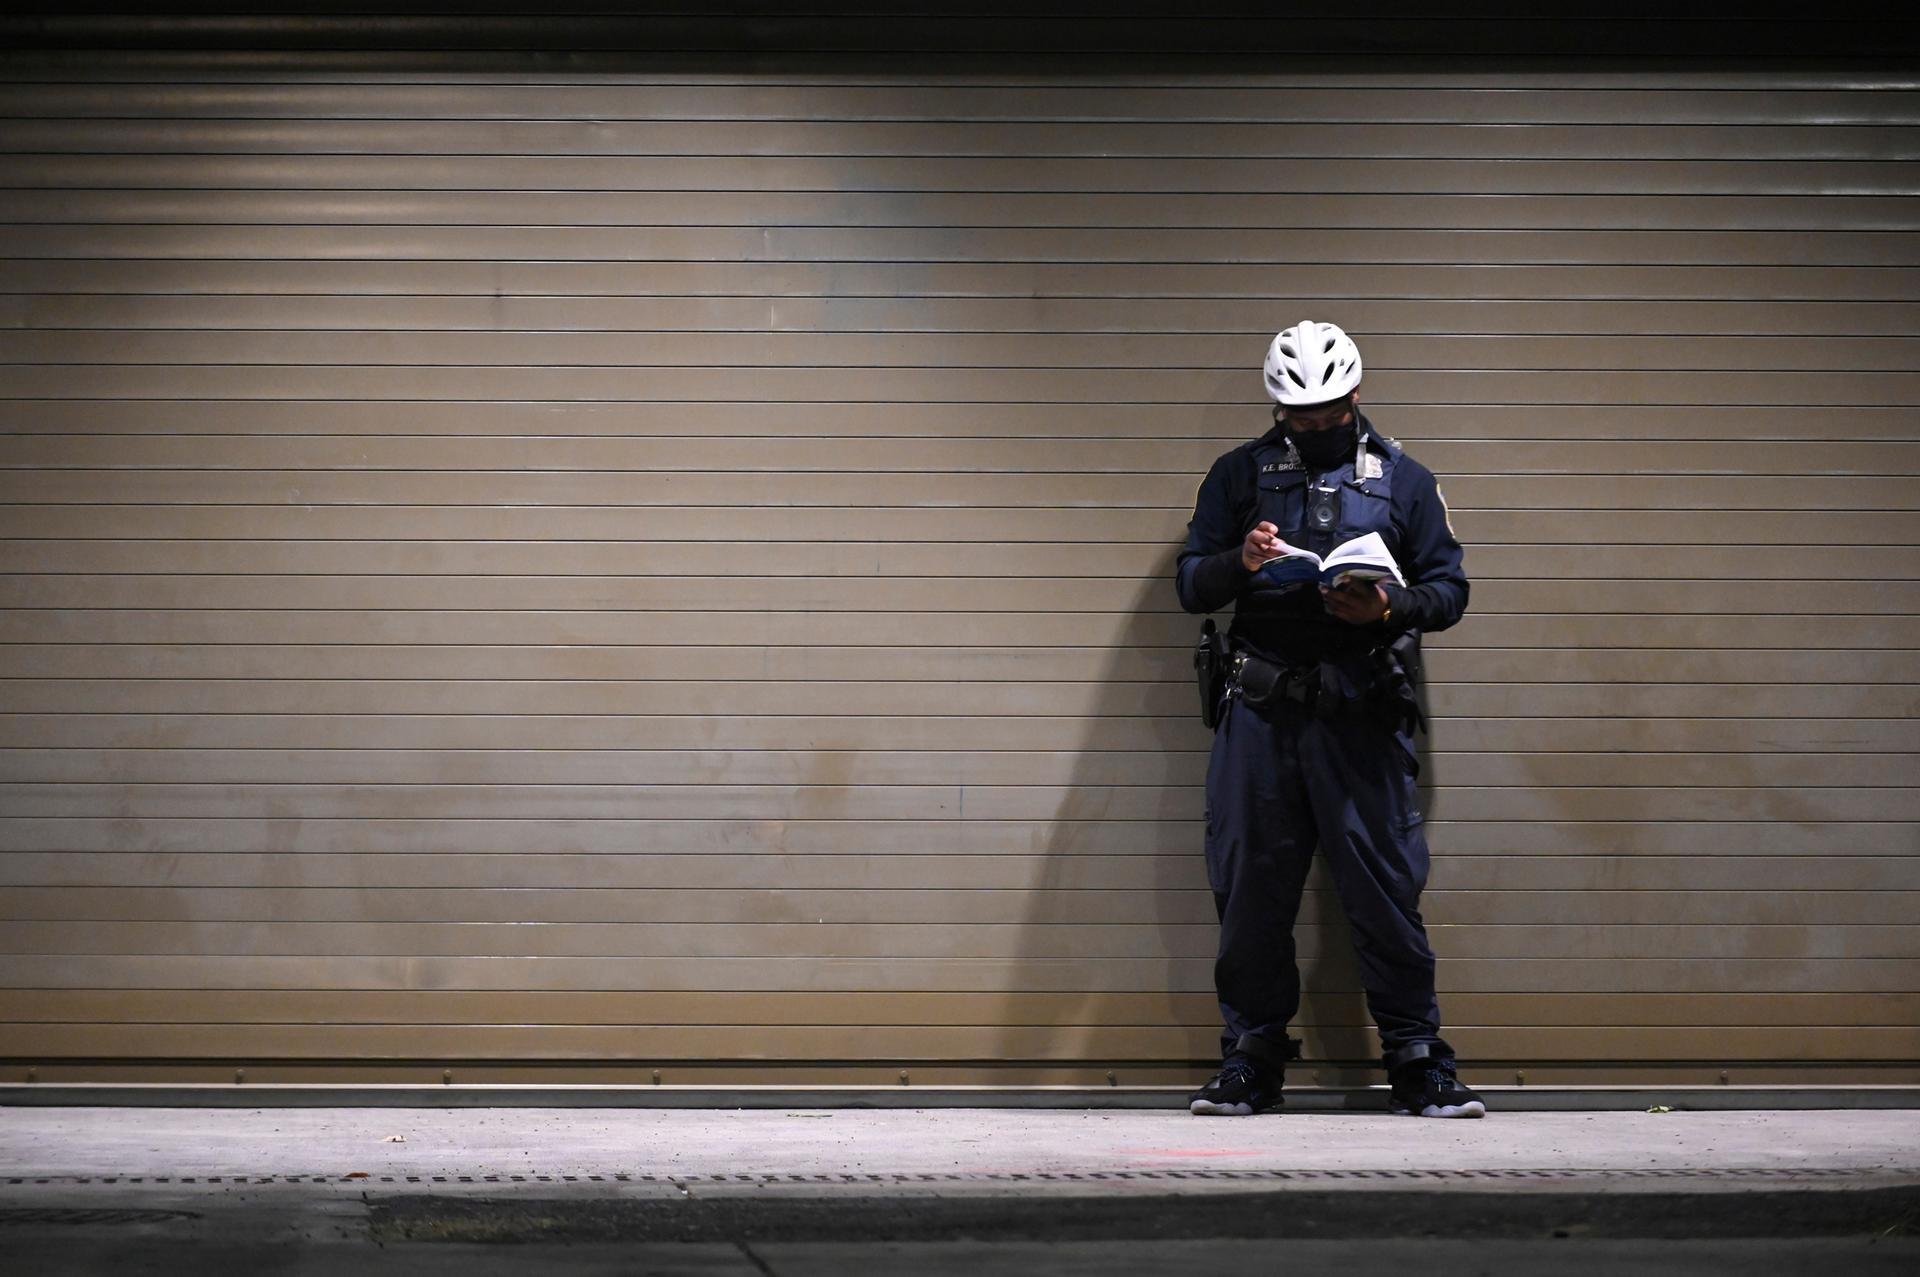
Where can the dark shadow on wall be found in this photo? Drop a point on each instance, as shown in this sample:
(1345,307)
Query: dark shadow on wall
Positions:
(1121,861)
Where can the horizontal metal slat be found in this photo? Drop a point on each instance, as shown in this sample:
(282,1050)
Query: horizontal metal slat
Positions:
(1113,595)
(912,974)
(1609,176)
(1183,900)
(915,836)
(650,1044)
(917,663)
(1198,248)
(1391,325)
(1171,351)
(922,490)
(827,799)
(1079,735)
(956,529)
(871,868)
(816,281)
(802,943)
(1656,97)
(1063,1010)
(1321,138)
(1513,460)
(54,761)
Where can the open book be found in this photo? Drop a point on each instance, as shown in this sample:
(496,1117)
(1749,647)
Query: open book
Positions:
(1362,559)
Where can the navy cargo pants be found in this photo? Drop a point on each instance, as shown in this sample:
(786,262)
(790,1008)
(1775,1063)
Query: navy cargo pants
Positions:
(1279,782)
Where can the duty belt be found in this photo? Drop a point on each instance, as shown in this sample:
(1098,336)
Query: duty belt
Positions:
(1261,684)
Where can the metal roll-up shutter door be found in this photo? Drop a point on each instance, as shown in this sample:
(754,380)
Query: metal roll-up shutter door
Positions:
(580,577)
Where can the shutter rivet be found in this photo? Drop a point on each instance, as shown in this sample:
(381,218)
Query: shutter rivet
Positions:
(1111,1079)
(446,1077)
(903,1077)
(239,1076)
(1519,1077)
(656,1077)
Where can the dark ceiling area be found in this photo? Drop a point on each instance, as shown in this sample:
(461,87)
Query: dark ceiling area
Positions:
(923,35)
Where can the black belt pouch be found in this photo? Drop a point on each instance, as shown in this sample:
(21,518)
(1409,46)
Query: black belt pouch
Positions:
(1261,682)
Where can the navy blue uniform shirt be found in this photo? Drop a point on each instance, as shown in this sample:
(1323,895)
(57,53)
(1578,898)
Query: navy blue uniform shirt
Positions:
(1379,489)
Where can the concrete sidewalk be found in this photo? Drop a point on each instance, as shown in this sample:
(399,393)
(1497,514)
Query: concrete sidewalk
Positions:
(969,1147)
(975,1191)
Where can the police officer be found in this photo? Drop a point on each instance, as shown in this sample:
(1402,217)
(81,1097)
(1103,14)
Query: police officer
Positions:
(1314,743)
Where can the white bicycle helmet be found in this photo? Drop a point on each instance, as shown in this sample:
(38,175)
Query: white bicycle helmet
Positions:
(1311,363)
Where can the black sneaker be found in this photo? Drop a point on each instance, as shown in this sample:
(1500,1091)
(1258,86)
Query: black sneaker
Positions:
(1427,1088)
(1237,1090)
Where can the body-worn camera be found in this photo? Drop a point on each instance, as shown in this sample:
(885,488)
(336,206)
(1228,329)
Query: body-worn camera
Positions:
(1323,507)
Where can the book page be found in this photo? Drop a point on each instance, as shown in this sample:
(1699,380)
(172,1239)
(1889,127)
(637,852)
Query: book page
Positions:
(1365,558)
(1289,551)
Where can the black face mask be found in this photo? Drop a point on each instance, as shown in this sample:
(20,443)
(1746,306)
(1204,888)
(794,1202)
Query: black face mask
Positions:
(1324,449)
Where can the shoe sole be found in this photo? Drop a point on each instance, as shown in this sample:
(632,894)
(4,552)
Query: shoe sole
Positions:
(1472,1108)
(1207,1108)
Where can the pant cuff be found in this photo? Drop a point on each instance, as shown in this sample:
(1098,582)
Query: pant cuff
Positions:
(1267,1052)
(1402,1056)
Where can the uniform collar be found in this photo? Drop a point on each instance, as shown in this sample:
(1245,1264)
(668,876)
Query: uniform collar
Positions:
(1367,439)
(1373,454)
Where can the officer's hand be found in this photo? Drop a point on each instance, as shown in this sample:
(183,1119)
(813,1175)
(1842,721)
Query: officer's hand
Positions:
(1262,544)
(1362,603)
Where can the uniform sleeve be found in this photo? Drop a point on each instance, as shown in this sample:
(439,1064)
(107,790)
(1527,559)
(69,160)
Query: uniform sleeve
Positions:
(1209,573)
(1435,595)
